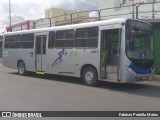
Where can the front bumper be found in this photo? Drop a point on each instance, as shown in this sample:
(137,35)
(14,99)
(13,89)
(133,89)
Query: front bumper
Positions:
(129,76)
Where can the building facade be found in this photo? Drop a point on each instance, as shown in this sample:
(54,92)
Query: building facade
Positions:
(142,9)
(62,16)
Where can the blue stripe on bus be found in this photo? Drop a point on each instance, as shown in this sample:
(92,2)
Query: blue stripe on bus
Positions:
(140,70)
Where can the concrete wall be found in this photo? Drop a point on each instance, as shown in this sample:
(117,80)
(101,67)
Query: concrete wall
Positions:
(109,13)
(63,14)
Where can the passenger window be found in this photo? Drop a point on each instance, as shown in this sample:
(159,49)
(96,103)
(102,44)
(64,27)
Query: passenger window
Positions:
(81,33)
(87,37)
(92,42)
(7,42)
(27,41)
(51,40)
(92,32)
(65,39)
(15,41)
(69,34)
(18,41)
(60,35)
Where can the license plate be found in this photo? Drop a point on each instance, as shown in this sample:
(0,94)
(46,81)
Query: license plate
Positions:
(144,78)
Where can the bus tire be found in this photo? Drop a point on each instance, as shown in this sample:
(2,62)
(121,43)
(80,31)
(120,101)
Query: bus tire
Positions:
(21,68)
(90,76)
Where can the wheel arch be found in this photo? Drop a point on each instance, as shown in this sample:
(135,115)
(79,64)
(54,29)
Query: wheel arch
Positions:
(88,65)
(19,62)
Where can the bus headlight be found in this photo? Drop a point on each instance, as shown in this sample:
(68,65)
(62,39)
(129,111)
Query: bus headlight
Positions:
(130,70)
(152,69)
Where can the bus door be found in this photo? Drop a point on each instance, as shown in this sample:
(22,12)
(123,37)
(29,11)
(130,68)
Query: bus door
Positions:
(110,54)
(41,53)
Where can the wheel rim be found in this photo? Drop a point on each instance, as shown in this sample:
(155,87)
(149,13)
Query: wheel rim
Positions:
(89,76)
(21,68)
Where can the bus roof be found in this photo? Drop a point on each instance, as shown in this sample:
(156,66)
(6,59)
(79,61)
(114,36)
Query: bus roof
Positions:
(72,26)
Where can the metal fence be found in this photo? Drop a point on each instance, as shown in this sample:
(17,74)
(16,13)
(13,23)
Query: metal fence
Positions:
(138,11)
(74,18)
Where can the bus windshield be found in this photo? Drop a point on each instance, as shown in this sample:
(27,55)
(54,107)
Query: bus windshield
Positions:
(139,44)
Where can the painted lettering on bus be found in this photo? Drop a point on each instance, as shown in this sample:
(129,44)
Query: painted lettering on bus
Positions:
(94,51)
(59,60)
(65,72)
(73,55)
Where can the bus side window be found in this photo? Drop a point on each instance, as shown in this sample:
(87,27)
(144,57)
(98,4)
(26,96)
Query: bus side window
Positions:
(92,37)
(15,39)
(81,35)
(51,40)
(27,41)
(7,42)
(65,39)
(87,37)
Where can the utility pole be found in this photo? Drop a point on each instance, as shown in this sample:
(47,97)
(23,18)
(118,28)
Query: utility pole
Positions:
(10,16)
(137,11)
(153,12)
(133,9)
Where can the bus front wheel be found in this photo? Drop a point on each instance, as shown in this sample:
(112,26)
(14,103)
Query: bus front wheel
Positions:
(21,68)
(89,76)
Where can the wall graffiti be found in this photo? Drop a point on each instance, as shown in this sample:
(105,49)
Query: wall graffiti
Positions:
(59,60)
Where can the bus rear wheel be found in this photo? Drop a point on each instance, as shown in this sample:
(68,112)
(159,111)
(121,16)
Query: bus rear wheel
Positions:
(90,76)
(21,68)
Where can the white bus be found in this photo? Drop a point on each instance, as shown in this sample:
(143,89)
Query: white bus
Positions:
(116,50)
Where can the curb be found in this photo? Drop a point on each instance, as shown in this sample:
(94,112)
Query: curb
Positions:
(156,78)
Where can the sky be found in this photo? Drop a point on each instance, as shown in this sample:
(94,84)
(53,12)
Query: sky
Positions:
(22,10)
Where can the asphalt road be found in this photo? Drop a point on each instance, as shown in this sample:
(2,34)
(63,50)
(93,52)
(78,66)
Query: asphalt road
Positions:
(55,93)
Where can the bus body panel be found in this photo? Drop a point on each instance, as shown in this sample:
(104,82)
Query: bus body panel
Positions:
(11,58)
(69,61)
